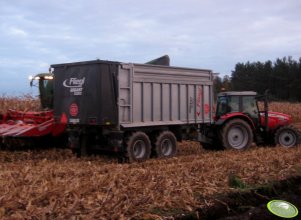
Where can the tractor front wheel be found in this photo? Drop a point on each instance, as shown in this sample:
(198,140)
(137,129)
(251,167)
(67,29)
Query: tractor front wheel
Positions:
(287,136)
(237,134)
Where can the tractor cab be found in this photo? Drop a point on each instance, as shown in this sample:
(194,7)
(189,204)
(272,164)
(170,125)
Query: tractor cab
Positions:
(44,81)
(238,102)
(241,121)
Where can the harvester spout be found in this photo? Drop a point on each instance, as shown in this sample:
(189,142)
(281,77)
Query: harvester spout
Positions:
(163,61)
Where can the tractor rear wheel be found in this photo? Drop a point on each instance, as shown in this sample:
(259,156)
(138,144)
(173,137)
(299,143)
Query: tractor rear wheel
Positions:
(237,134)
(166,145)
(138,147)
(287,136)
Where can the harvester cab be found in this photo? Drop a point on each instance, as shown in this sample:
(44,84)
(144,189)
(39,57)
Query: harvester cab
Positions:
(44,81)
(240,121)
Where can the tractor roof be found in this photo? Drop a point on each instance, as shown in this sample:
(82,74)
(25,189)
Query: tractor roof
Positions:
(238,93)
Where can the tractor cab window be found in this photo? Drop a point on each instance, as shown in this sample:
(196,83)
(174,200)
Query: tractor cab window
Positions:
(233,103)
(249,106)
(222,104)
(227,104)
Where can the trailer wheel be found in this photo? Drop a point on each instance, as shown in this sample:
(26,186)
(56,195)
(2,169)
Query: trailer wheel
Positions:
(287,136)
(166,145)
(138,147)
(237,134)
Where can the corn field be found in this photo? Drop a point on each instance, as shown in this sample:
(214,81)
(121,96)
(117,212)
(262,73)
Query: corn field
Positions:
(22,103)
(54,184)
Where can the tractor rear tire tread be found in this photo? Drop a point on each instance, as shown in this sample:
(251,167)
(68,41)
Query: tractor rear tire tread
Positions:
(240,124)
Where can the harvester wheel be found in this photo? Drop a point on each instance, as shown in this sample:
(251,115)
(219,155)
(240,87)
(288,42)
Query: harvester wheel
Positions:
(237,134)
(166,145)
(287,136)
(138,147)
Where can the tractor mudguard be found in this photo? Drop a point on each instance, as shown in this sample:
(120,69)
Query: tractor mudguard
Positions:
(221,120)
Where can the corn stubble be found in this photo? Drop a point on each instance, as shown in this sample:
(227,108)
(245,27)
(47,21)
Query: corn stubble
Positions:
(54,184)
(22,103)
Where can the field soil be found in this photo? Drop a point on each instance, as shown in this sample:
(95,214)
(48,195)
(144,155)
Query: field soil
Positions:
(251,203)
(54,184)
(197,184)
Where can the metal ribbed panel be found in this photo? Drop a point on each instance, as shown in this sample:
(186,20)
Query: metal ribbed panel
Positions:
(158,95)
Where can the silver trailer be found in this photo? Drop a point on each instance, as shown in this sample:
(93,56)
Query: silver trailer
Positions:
(151,95)
(136,109)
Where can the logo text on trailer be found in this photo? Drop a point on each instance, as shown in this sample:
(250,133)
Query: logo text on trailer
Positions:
(75,85)
(198,100)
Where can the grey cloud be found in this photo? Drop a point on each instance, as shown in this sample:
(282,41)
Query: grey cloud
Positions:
(197,33)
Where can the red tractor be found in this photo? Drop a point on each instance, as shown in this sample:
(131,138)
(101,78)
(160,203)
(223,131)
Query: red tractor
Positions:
(27,127)
(239,123)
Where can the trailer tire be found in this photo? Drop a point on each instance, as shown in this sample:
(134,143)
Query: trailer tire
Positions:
(237,135)
(138,147)
(287,136)
(166,145)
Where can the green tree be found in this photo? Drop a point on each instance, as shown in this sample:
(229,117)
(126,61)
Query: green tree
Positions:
(282,78)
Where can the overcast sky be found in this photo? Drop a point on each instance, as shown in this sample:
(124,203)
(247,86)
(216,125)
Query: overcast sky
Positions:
(211,34)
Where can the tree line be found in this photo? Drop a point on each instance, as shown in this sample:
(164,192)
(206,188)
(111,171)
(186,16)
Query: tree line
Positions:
(282,78)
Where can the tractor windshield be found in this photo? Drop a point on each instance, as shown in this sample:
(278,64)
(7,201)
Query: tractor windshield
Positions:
(222,104)
(249,106)
(237,103)
(227,104)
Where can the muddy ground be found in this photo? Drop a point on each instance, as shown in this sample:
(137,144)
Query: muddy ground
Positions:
(251,203)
